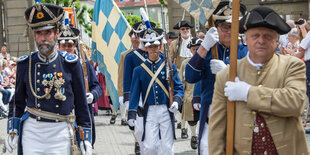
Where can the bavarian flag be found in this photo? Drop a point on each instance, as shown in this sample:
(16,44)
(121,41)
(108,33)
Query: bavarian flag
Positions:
(109,38)
(201,10)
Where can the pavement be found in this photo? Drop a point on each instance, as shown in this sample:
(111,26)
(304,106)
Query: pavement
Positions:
(113,139)
(117,139)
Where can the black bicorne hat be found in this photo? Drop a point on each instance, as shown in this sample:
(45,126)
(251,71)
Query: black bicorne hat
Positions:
(182,23)
(68,35)
(223,12)
(263,17)
(153,36)
(43,16)
(139,27)
(194,42)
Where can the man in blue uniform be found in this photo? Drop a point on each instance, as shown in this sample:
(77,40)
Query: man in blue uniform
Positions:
(132,60)
(201,67)
(149,79)
(50,93)
(68,41)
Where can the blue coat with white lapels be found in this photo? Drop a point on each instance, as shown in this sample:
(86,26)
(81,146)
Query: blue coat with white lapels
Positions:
(157,96)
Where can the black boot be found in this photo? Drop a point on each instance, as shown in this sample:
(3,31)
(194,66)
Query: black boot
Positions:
(184,134)
(179,125)
(194,142)
(137,148)
(124,122)
(112,121)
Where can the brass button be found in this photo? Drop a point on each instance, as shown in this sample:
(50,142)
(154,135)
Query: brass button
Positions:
(156,86)
(38,89)
(38,81)
(251,126)
(262,97)
(54,66)
(227,58)
(156,92)
(57,120)
(259,72)
(260,85)
(38,105)
(39,66)
(249,140)
(156,102)
(39,118)
(38,73)
(253,112)
(57,106)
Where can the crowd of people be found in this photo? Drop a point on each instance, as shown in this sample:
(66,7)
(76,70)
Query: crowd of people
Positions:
(269,92)
(7,80)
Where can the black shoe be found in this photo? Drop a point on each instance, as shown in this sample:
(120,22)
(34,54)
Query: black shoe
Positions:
(124,122)
(194,142)
(179,125)
(112,121)
(184,134)
(137,148)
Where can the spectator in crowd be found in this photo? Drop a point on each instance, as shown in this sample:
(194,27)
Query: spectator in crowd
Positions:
(200,34)
(171,36)
(4,53)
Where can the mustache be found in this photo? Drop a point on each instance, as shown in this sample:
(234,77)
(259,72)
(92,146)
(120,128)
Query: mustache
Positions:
(45,42)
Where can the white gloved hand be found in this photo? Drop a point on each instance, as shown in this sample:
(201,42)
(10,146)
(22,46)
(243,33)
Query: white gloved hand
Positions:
(87,150)
(131,122)
(211,38)
(197,106)
(121,100)
(174,107)
(217,65)
(237,91)
(89,98)
(11,140)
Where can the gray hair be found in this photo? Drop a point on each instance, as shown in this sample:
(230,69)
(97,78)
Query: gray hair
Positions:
(294,32)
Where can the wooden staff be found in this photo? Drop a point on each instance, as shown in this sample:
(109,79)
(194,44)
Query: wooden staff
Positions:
(84,68)
(232,74)
(214,48)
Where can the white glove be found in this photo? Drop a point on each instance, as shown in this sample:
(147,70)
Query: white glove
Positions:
(131,122)
(237,91)
(121,100)
(197,106)
(11,140)
(217,65)
(174,107)
(89,98)
(88,150)
(211,38)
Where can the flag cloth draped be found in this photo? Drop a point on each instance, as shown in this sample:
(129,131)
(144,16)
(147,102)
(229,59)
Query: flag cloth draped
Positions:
(109,38)
(201,10)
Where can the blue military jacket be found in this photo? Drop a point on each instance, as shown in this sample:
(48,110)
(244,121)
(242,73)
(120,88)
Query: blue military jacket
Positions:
(198,69)
(61,66)
(131,61)
(157,96)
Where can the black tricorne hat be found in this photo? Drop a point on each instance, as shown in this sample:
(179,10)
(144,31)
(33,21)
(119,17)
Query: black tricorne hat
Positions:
(139,27)
(153,36)
(43,16)
(182,23)
(68,35)
(223,12)
(194,42)
(263,17)
(171,35)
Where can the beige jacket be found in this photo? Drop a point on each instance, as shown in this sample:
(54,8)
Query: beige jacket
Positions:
(187,110)
(121,72)
(175,55)
(278,93)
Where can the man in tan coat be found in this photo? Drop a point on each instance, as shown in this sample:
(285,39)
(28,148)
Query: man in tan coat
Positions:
(269,93)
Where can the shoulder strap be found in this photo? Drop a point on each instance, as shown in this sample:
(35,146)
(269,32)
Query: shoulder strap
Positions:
(139,55)
(154,77)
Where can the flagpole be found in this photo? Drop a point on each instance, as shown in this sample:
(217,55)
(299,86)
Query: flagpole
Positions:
(145,6)
(232,74)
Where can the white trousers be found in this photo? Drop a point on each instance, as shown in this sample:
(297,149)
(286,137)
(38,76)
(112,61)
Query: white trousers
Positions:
(204,141)
(45,138)
(158,120)
(139,129)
